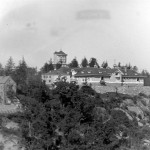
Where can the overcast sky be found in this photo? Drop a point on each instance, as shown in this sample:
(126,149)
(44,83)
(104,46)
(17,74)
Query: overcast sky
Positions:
(112,30)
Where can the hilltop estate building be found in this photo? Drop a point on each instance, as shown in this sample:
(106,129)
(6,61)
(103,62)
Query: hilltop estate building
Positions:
(94,75)
(91,74)
(60,57)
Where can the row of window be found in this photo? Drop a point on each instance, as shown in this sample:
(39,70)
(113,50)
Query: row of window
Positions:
(92,79)
(46,76)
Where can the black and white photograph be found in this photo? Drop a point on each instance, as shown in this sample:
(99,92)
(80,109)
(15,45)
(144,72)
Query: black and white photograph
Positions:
(74,75)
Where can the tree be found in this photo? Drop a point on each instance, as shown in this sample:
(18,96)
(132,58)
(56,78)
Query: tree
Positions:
(58,65)
(10,66)
(74,63)
(44,69)
(119,64)
(20,76)
(84,62)
(135,68)
(50,67)
(129,66)
(47,67)
(93,62)
(145,73)
(104,64)
(2,71)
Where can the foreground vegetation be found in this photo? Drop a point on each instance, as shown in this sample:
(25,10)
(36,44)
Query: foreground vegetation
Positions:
(72,118)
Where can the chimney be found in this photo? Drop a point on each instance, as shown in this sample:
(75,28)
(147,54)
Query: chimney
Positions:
(115,66)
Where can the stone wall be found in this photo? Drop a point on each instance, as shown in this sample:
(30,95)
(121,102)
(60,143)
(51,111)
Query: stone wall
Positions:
(131,90)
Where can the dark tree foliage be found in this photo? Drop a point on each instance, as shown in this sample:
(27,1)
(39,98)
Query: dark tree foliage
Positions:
(70,118)
(51,67)
(31,73)
(48,67)
(45,68)
(135,68)
(129,66)
(145,73)
(119,64)
(84,62)
(2,71)
(104,64)
(58,65)
(74,63)
(23,75)
(93,62)
(87,89)
(10,67)
(20,76)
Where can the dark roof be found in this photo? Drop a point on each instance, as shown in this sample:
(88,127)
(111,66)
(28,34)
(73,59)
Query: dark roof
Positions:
(3,79)
(130,73)
(99,72)
(60,53)
(95,72)
(61,71)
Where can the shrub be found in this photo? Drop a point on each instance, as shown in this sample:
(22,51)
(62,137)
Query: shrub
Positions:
(143,95)
(88,89)
(103,83)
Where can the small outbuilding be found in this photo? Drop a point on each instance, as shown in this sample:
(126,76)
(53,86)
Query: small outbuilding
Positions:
(6,82)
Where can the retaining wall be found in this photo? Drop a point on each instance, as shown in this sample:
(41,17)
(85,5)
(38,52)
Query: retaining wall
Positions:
(131,90)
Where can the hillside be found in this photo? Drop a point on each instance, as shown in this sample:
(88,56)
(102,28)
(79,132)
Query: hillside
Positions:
(72,118)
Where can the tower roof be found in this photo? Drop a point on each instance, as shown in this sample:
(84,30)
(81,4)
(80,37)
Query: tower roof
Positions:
(60,53)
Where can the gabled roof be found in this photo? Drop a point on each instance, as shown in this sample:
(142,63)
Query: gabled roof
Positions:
(3,79)
(95,72)
(61,71)
(130,73)
(60,53)
(99,72)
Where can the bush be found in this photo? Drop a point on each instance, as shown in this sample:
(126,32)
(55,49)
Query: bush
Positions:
(88,90)
(103,83)
(143,95)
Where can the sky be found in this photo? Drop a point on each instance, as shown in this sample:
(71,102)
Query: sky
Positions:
(109,30)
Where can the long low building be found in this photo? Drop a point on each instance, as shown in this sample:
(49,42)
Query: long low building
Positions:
(125,76)
(94,75)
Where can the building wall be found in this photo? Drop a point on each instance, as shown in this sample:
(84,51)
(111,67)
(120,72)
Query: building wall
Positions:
(55,59)
(2,95)
(135,81)
(116,77)
(58,58)
(4,88)
(147,81)
(113,79)
(82,80)
(50,79)
(8,83)
(130,90)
